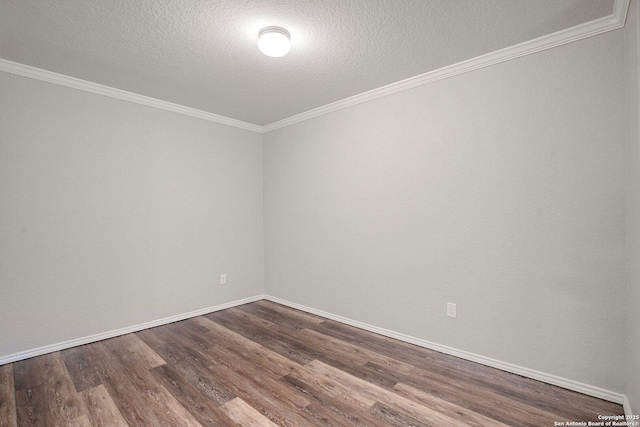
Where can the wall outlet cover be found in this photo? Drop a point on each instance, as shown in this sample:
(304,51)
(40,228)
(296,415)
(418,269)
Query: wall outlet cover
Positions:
(451,309)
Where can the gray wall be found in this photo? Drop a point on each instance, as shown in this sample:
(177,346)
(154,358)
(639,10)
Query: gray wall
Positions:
(113,214)
(502,190)
(633,298)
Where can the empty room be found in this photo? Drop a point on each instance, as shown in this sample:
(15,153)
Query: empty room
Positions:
(319,213)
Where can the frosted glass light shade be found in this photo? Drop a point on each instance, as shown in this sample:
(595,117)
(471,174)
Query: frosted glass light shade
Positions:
(274,41)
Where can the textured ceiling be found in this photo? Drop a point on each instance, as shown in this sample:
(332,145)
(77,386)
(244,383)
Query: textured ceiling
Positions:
(203,53)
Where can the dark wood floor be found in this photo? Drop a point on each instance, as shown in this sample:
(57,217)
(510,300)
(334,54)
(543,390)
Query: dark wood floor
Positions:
(263,364)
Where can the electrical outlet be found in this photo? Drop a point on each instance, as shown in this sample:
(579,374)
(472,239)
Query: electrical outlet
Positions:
(223,279)
(451,309)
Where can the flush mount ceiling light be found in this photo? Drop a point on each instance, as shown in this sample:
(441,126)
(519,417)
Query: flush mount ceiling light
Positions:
(274,41)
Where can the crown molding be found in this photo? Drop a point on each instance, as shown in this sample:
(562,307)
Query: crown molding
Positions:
(589,29)
(84,85)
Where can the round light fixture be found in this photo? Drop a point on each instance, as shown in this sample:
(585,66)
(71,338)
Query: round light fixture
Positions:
(274,41)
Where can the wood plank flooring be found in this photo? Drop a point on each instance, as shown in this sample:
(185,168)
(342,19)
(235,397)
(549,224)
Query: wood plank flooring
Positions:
(263,364)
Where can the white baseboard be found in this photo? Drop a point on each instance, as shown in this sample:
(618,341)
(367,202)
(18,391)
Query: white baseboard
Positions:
(122,331)
(526,372)
(627,407)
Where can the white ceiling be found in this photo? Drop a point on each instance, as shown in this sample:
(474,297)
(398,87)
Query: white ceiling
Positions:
(203,53)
